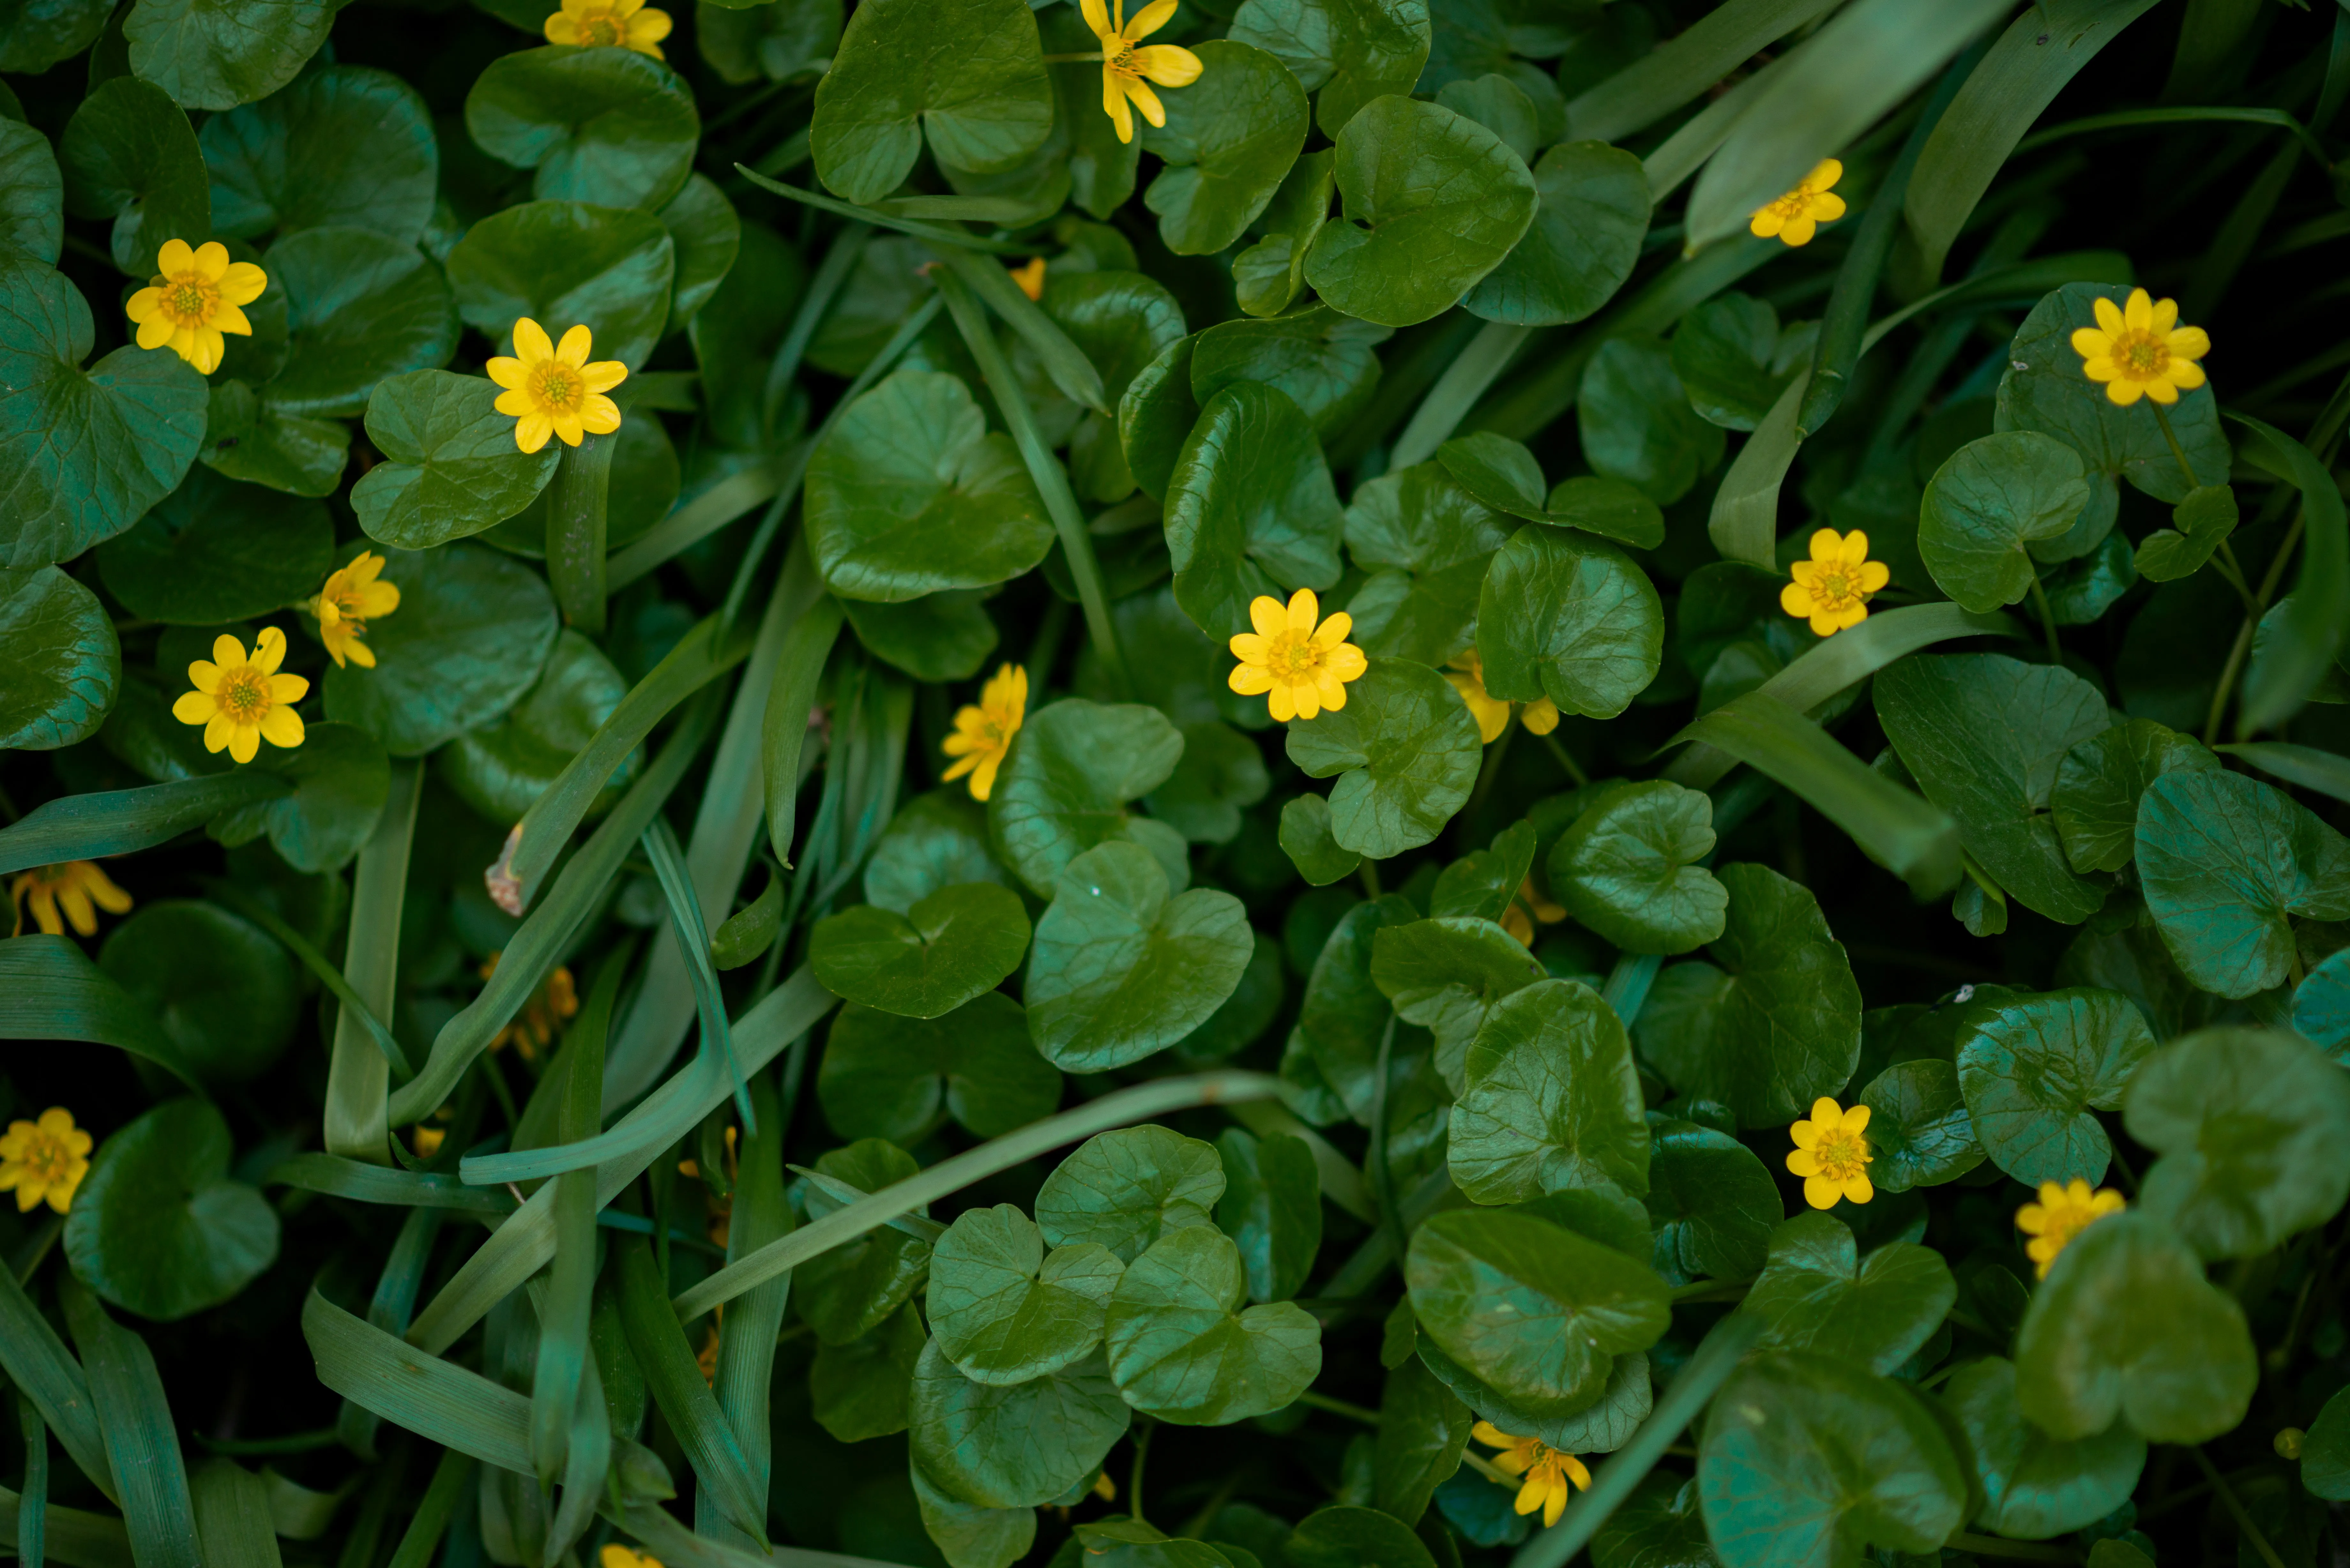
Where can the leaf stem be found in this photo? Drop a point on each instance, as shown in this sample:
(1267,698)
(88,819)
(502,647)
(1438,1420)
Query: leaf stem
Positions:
(1145,1426)
(2047,621)
(2177,450)
(2229,1500)
(2243,644)
(1313,1401)
(1565,759)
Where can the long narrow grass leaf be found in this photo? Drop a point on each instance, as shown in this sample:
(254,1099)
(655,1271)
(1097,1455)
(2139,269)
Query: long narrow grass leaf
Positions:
(1700,55)
(692,522)
(678,1547)
(115,822)
(45,1372)
(746,1346)
(1462,386)
(32,1508)
(563,1323)
(75,1538)
(49,989)
(321,968)
(143,1441)
(1063,360)
(393,1303)
(920,230)
(784,727)
(685,1401)
(832,275)
(358,1079)
(450,1479)
(339,1177)
(233,1517)
(2308,634)
(2327,772)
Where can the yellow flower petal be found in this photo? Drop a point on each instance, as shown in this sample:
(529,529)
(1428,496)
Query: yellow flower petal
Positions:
(2109,317)
(573,349)
(211,259)
(1794,599)
(194,707)
(531,342)
(2137,312)
(280,727)
(1265,614)
(1821,1192)
(244,742)
(1169,65)
(505,372)
(176,257)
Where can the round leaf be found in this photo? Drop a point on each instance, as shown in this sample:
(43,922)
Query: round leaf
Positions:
(955,944)
(1350,51)
(35,37)
(32,191)
(1125,1189)
(1182,1347)
(1713,1205)
(1322,360)
(2320,1004)
(214,551)
(1637,424)
(359,307)
(1250,508)
(1074,767)
(130,155)
(1734,362)
(1350,1537)
(1584,238)
(1569,619)
(1005,1311)
(502,767)
(2225,861)
(1630,869)
(340,776)
(341,144)
(1817,1294)
(887,1077)
(450,469)
(63,663)
(1920,1133)
(1407,751)
(221,989)
(158,1226)
(1987,501)
(2033,1068)
(608,126)
(1228,143)
(936,840)
(1015,1447)
(209,55)
(566,262)
(2037,1487)
(2101,781)
(1554,1099)
(972,75)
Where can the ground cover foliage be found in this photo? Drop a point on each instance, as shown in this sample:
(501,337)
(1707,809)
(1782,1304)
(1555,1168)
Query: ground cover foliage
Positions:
(1283,785)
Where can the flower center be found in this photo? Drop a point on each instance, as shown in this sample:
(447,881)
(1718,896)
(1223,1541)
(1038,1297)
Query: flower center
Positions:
(603,28)
(557,386)
(1294,655)
(1119,58)
(1841,1155)
(243,694)
(47,1159)
(191,299)
(1794,203)
(1834,589)
(2143,357)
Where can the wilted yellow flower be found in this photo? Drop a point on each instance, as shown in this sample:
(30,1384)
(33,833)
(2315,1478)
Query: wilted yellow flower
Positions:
(1832,590)
(1831,1154)
(353,595)
(1467,674)
(73,886)
(982,733)
(43,1160)
(2062,1213)
(1796,216)
(2139,350)
(194,298)
(1551,1476)
(1528,908)
(554,391)
(619,1556)
(1298,667)
(1031,277)
(426,1140)
(625,23)
(1124,66)
(533,1028)
(242,702)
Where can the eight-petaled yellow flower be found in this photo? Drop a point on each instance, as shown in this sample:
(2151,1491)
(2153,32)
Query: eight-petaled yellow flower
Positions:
(1467,674)
(43,1160)
(1125,66)
(74,886)
(554,391)
(1031,277)
(1796,216)
(2062,1213)
(1832,1154)
(984,732)
(195,298)
(1832,590)
(533,1028)
(627,24)
(619,1556)
(354,596)
(1300,668)
(242,702)
(1550,1475)
(2139,350)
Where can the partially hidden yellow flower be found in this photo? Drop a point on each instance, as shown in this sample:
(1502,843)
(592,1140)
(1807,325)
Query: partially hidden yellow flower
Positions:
(619,1556)
(1298,666)
(533,1028)
(1125,66)
(2139,350)
(43,1160)
(1832,590)
(1550,1475)
(354,596)
(1831,1154)
(553,391)
(1031,277)
(984,732)
(73,886)
(1796,216)
(194,298)
(2062,1213)
(627,24)
(242,702)
(427,1140)
(1467,674)
(1528,908)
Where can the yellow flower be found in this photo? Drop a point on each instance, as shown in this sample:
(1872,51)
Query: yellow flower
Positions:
(1124,66)
(1525,909)
(1299,668)
(427,1140)
(1550,1475)
(1031,278)
(619,1556)
(1467,674)
(533,1028)
(2062,1213)
(2139,350)
(1831,1155)
(194,299)
(1832,590)
(624,23)
(555,391)
(47,1158)
(982,733)
(1797,215)
(75,885)
(242,702)
(352,598)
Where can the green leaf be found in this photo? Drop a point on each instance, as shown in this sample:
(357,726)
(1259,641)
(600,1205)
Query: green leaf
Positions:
(65,661)
(2225,861)
(1221,772)
(1344,1012)
(2125,1327)
(849,1291)
(1817,1294)
(936,840)
(1637,423)
(1773,1028)
(1155,417)
(1446,975)
(215,551)
(708,235)
(2081,591)
(340,778)
(130,155)
(1423,1430)
(208,56)
(142,1443)
(1989,500)
(1251,510)
(1660,1525)
(159,1227)
(1423,520)
(1003,1310)
(1602,1426)
(2039,1487)
(359,307)
(561,263)
(1271,1209)
(1534,1310)
(473,631)
(224,992)
(1228,143)
(1553,1100)
(1631,869)
(1183,1349)
(974,78)
(1485,882)
(1734,361)
(2320,1007)
(1920,1133)
(1019,1447)
(2205,520)
(889,1076)
(1407,752)
(1805,1460)
(1322,360)
(1343,1536)
(1582,245)
(2034,1068)
(1268,274)
(972,1536)
(1713,1205)
(250,438)
(2325,1452)
(85,453)
(1064,789)
(32,191)
(2253,1127)
(35,37)
(860,1389)
(955,944)
(1569,619)
(608,126)
(1126,1189)
(912,493)
(502,767)
(1433,201)
(341,144)
(2101,781)
(1349,51)
(1983,735)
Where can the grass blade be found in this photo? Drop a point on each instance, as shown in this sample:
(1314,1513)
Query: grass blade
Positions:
(33,1507)
(1702,55)
(451,1479)
(359,1077)
(142,1442)
(785,724)
(1063,360)
(2323,771)
(950,237)
(74,1538)
(232,1516)
(684,1399)
(746,1346)
(45,1373)
(2315,619)
(49,989)
(562,1322)
(115,822)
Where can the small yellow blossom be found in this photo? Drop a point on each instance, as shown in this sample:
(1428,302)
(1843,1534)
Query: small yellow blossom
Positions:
(2139,350)
(1528,908)
(47,1158)
(353,597)
(1551,1476)
(2062,1213)
(1832,590)
(982,733)
(1467,674)
(1831,1154)
(619,1556)
(554,391)
(1298,666)
(1796,216)
(194,298)
(1125,66)
(1105,1488)
(1031,278)
(535,1027)
(73,886)
(427,1140)
(627,24)
(242,702)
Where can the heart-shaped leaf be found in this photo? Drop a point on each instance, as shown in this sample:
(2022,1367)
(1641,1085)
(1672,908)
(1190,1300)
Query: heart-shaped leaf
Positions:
(1016,1447)
(1322,360)
(208,56)
(1637,424)
(2036,1486)
(214,551)
(1406,752)
(450,469)
(65,661)
(1251,510)
(850,1291)
(1734,361)
(953,945)
(1003,1310)
(561,263)
(1920,1133)
(2034,1068)
(2101,780)
(223,988)
(1569,619)
(1554,1099)
(1228,143)
(608,126)
(1074,767)
(1818,1294)
(1713,1205)
(360,305)
(1349,51)
(1581,246)
(972,76)
(936,840)
(130,155)
(889,1076)
(33,39)
(1630,869)
(341,144)
(1126,1189)
(502,767)
(1990,498)
(1182,1348)
(159,1227)
(2226,862)
(32,191)
(1446,974)
(340,776)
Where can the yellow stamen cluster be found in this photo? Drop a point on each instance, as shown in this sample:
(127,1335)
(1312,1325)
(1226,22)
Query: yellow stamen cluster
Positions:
(554,391)
(1796,216)
(1832,590)
(242,702)
(196,295)
(2138,350)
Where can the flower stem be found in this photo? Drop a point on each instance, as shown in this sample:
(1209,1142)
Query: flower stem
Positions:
(1565,759)
(2047,621)
(1093,59)
(1313,1401)
(2229,1500)
(575,530)
(2243,645)
(1145,1426)
(2177,450)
